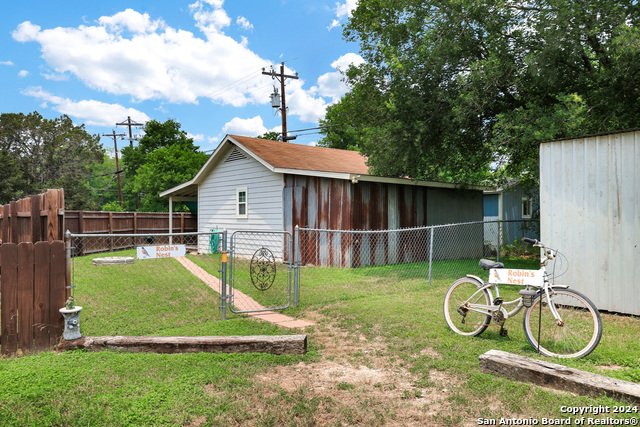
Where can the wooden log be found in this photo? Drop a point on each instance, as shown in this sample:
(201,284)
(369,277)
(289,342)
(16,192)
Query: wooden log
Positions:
(272,344)
(556,376)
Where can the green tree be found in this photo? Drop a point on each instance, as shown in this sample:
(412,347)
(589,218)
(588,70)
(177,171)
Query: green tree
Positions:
(273,136)
(38,153)
(450,87)
(164,157)
(103,184)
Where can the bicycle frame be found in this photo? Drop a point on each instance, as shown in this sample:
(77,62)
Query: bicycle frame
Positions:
(536,279)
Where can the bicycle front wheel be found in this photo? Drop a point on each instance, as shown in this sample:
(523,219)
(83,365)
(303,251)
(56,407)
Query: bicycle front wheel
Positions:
(575,335)
(459,311)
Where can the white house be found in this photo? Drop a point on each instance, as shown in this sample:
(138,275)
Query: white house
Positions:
(256,184)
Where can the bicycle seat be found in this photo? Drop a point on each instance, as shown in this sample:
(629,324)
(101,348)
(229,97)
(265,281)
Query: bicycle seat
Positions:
(487,264)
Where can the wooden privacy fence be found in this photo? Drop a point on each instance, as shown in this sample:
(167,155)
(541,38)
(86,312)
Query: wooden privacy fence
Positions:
(144,223)
(32,290)
(33,219)
(89,222)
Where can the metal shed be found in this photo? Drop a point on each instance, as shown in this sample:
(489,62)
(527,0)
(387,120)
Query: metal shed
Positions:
(590,211)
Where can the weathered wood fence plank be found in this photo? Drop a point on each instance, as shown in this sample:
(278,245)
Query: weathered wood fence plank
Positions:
(25,296)
(556,376)
(22,220)
(57,291)
(273,344)
(32,289)
(9,299)
(41,308)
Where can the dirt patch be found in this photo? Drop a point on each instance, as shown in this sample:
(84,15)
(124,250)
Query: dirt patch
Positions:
(363,384)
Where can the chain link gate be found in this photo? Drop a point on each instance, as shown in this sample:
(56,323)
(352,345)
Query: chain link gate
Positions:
(260,271)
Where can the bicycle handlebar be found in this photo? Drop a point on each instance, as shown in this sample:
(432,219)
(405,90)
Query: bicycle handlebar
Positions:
(530,241)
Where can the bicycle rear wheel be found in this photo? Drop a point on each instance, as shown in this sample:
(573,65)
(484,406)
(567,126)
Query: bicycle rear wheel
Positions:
(578,333)
(460,317)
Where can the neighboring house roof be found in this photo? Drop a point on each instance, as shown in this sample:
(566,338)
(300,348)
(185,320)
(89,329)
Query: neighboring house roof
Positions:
(295,159)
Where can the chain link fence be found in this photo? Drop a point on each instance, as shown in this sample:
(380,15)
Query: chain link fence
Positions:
(260,273)
(156,284)
(173,284)
(337,265)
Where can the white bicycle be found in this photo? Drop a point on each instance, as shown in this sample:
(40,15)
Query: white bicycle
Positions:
(558,321)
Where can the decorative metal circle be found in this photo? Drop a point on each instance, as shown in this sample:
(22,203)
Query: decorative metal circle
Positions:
(263,269)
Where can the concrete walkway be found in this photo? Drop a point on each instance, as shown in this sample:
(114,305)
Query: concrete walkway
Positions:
(242,301)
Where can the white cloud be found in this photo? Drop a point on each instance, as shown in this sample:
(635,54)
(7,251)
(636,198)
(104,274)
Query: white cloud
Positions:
(56,77)
(246,127)
(332,84)
(26,32)
(6,63)
(244,23)
(130,54)
(343,11)
(132,21)
(91,112)
(23,73)
(196,138)
(210,22)
(303,104)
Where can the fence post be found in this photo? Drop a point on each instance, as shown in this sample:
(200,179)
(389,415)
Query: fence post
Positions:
(499,241)
(223,271)
(68,285)
(296,266)
(430,253)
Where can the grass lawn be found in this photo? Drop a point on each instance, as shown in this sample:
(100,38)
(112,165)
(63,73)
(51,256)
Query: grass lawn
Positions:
(380,354)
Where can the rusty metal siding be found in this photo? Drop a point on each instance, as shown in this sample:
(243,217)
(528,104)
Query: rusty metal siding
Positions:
(590,211)
(323,203)
(341,205)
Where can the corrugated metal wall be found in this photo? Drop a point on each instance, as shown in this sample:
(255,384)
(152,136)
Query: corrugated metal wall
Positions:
(340,205)
(590,211)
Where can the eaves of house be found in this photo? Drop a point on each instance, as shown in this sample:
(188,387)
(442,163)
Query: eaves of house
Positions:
(296,159)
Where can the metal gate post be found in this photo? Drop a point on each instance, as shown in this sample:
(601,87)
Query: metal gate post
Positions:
(499,241)
(430,254)
(296,266)
(223,271)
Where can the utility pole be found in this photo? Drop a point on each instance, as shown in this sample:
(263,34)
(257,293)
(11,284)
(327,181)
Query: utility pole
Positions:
(281,77)
(115,145)
(130,123)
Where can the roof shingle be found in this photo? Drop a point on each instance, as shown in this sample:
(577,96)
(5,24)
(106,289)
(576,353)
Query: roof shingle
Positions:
(305,157)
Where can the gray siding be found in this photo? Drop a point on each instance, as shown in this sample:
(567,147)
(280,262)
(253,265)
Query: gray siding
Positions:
(446,206)
(512,203)
(217,197)
(590,211)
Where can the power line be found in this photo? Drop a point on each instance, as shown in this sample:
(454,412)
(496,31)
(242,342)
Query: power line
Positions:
(115,145)
(282,76)
(130,123)
(233,84)
(315,52)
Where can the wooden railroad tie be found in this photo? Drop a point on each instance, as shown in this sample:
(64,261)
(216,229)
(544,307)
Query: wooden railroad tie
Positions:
(556,376)
(272,344)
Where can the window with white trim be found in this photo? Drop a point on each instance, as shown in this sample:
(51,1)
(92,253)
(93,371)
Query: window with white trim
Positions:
(527,207)
(242,207)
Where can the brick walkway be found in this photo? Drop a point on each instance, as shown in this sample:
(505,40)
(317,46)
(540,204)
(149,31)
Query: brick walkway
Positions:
(242,301)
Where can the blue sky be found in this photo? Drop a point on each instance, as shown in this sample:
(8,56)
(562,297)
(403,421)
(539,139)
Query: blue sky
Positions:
(196,61)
